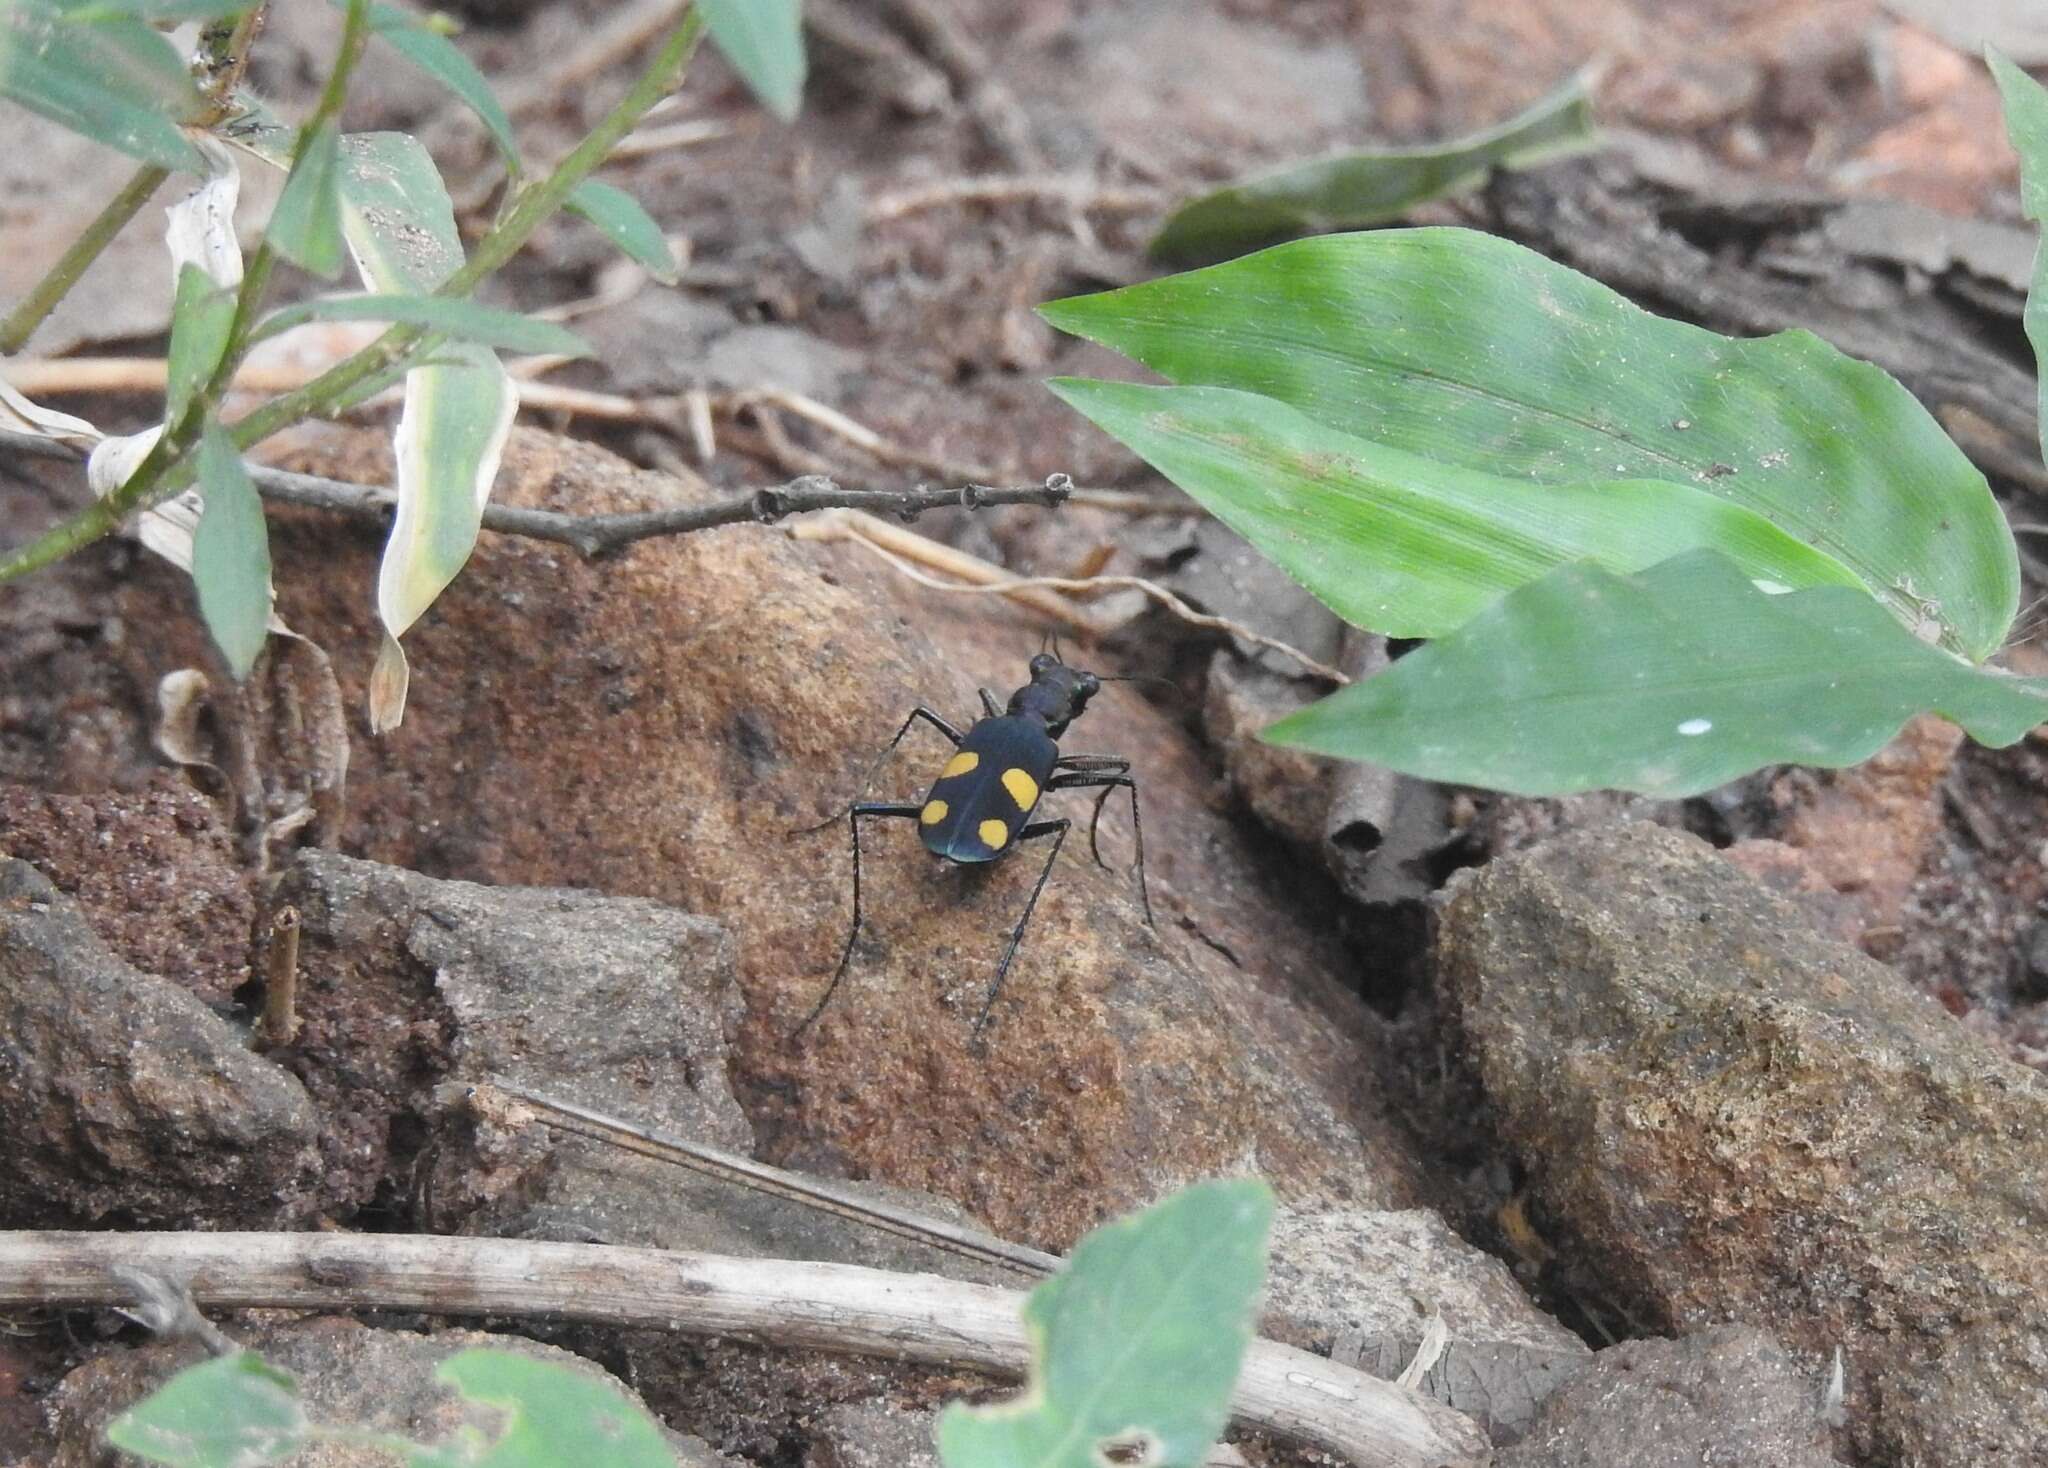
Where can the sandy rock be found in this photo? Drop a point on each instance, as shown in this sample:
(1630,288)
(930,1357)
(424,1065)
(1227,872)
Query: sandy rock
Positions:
(656,726)
(347,1374)
(124,1093)
(873,1435)
(1724,1113)
(1728,1396)
(154,871)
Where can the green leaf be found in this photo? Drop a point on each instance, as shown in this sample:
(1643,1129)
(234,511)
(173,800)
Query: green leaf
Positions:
(763,39)
(202,314)
(1137,1342)
(117,82)
(1373,186)
(553,1415)
(305,227)
(231,554)
(1669,682)
(462,319)
(626,225)
(1476,352)
(232,1412)
(437,56)
(157,12)
(2026,123)
(1405,545)
(396,214)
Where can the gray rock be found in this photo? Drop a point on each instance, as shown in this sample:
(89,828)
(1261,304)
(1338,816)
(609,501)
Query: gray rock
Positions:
(1730,1397)
(1724,1113)
(348,1374)
(877,1434)
(123,1093)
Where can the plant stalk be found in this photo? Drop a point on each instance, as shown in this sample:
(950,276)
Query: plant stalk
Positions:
(36,306)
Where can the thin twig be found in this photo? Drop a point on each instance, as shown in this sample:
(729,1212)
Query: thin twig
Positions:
(35,307)
(797,1187)
(841,1307)
(281,978)
(896,547)
(1075,193)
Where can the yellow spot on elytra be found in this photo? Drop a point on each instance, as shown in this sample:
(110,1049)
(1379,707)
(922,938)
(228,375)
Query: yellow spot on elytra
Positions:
(960,764)
(933,812)
(993,833)
(1023,789)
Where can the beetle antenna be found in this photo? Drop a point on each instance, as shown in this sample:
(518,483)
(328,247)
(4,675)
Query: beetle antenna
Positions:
(1138,678)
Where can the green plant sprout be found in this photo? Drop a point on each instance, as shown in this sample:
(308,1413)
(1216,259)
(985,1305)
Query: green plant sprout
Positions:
(103,69)
(1648,557)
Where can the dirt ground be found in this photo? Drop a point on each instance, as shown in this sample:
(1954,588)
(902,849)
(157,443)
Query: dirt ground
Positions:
(956,163)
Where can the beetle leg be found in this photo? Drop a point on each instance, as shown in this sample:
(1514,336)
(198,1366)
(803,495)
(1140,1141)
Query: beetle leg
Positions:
(853,815)
(1110,775)
(988,703)
(1058,831)
(920,712)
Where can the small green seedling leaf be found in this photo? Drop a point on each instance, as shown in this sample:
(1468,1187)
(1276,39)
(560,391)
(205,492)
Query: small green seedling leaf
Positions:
(554,1416)
(117,82)
(1136,1344)
(1473,351)
(437,56)
(305,227)
(626,225)
(231,554)
(1373,186)
(2026,123)
(202,314)
(233,1412)
(1405,545)
(1668,682)
(463,319)
(763,39)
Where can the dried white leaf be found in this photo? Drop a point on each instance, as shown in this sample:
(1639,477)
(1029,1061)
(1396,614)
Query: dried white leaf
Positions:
(201,230)
(19,415)
(1435,1336)
(180,702)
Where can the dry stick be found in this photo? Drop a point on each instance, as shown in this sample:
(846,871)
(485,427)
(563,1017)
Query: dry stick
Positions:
(1078,193)
(730,1167)
(281,978)
(898,546)
(839,1307)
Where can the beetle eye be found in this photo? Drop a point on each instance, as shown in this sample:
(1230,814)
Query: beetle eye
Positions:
(1088,685)
(1043,661)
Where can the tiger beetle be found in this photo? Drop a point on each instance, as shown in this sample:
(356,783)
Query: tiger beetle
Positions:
(979,809)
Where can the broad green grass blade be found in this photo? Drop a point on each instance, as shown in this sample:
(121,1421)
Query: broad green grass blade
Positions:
(463,319)
(1138,1341)
(440,58)
(1474,351)
(231,554)
(115,81)
(763,39)
(1374,185)
(233,1412)
(2026,123)
(1668,682)
(619,215)
(201,315)
(552,1416)
(1409,546)
(305,226)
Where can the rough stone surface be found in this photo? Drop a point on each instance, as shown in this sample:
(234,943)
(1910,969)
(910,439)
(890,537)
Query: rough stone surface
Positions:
(875,1434)
(154,870)
(1729,1397)
(125,1095)
(347,1373)
(1726,1114)
(656,726)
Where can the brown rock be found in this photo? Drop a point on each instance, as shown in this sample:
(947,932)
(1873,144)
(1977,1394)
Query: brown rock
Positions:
(155,872)
(1724,1113)
(125,1094)
(1730,1395)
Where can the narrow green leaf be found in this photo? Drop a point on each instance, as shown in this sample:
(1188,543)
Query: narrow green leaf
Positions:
(1668,682)
(462,319)
(1136,1344)
(1405,545)
(763,39)
(231,554)
(156,12)
(1474,351)
(554,1415)
(202,314)
(439,57)
(2026,123)
(396,213)
(232,1412)
(117,82)
(626,225)
(1372,186)
(305,227)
